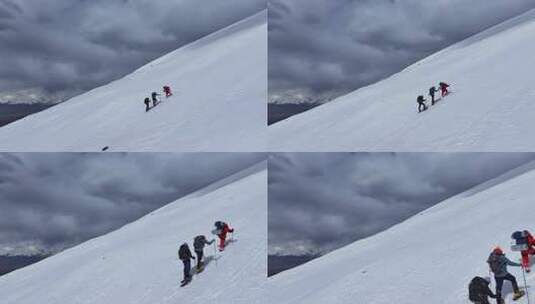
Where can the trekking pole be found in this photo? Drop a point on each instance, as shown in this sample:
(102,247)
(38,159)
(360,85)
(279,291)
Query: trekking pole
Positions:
(525,283)
(215,255)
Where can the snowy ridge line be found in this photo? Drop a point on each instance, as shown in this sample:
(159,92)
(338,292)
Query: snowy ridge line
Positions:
(254,20)
(254,169)
(501,179)
(515,172)
(210,189)
(229,180)
(494,30)
(234,177)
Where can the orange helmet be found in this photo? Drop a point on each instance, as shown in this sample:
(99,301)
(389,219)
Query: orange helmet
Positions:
(497,251)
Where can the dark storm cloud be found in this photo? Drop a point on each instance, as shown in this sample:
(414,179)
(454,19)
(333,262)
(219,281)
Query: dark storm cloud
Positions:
(51,200)
(70,45)
(321,201)
(324,48)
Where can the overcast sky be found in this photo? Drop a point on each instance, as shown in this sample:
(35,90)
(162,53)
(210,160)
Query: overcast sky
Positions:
(52,200)
(321,48)
(64,45)
(322,201)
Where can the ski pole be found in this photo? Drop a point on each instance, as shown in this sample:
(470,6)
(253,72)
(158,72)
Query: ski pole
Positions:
(525,283)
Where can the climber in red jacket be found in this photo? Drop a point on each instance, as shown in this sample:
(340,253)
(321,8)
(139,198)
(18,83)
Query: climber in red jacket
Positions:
(221,230)
(530,251)
(167,91)
(444,88)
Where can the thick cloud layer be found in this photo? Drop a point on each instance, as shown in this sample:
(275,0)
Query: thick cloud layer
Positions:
(52,200)
(324,48)
(322,201)
(66,45)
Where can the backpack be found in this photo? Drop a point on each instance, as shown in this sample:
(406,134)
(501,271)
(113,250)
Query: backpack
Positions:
(494,262)
(519,235)
(183,252)
(477,289)
(198,242)
(432,91)
(521,241)
(219,225)
(147,100)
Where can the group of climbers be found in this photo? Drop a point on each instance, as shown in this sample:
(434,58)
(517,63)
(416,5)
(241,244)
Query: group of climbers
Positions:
(154,96)
(478,289)
(443,88)
(184,253)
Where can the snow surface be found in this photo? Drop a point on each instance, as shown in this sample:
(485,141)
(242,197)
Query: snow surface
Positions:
(429,258)
(219,104)
(492,107)
(138,263)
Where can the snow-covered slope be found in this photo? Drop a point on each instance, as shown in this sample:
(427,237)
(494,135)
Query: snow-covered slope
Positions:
(429,258)
(219,103)
(138,263)
(492,107)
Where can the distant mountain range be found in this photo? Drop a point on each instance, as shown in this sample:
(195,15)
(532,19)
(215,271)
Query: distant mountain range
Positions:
(32,248)
(35,96)
(295,97)
(290,103)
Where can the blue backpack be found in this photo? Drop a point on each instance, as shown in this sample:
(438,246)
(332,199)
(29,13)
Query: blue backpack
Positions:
(521,241)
